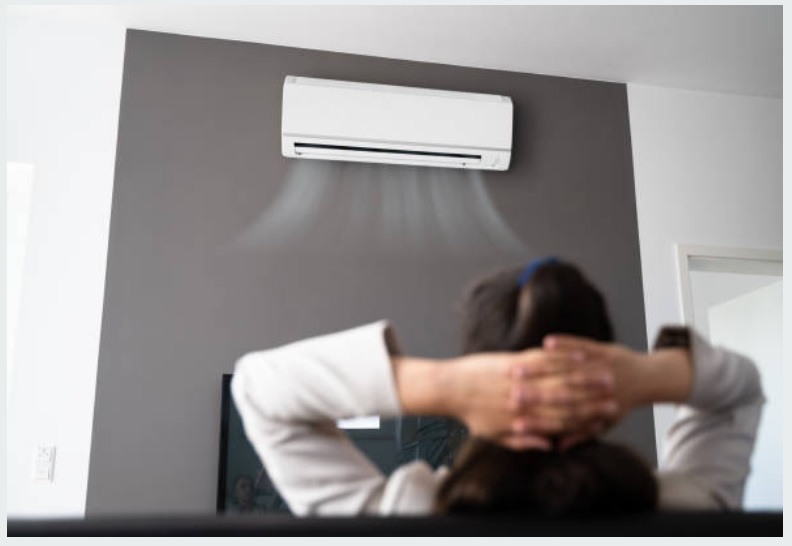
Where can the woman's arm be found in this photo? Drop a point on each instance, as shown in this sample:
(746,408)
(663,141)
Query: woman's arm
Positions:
(712,438)
(664,375)
(709,446)
(289,399)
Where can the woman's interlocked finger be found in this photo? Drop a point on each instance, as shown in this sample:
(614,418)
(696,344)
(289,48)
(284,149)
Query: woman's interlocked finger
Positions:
(537,363)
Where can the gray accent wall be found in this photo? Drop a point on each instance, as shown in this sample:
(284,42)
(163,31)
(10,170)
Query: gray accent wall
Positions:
(220,246)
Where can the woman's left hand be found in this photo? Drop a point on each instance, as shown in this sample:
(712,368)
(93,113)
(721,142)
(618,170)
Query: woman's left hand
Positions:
(560,395)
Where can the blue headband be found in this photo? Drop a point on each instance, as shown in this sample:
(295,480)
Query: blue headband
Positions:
(531,268)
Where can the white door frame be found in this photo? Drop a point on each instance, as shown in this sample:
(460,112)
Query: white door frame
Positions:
(722,259)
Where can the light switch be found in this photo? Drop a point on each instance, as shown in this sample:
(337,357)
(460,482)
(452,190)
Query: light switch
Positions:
(44,464)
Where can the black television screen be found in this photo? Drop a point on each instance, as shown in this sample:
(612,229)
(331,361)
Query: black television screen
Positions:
(243,483)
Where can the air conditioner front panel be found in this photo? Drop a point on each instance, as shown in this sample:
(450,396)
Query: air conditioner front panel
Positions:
(382,116)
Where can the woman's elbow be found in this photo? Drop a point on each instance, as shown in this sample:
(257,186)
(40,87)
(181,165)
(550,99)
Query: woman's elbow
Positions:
(753,381)
(248,382)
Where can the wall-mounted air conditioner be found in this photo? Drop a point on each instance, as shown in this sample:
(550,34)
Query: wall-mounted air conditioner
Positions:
(346,121)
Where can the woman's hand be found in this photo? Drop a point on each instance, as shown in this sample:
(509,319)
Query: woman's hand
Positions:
(621,363)
(639,378)
(559,395)
(521,399)
(517,399)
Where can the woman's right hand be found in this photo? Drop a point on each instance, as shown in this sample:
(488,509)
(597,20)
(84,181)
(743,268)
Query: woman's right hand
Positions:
(639,378)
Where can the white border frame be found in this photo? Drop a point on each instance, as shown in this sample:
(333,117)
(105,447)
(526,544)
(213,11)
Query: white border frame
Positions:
(686,252)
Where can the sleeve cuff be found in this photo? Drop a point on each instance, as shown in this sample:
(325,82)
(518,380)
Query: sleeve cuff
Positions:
(704,370)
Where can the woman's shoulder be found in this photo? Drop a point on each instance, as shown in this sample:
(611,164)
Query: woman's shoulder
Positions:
(411,489)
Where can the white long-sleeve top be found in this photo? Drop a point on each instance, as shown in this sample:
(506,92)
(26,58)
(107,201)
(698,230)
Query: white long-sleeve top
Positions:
(290,397)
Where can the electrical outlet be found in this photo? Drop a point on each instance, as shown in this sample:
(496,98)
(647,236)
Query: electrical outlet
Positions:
(44,464)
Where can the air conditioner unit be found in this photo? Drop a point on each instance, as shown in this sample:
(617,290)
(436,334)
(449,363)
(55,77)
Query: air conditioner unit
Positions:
(347,121)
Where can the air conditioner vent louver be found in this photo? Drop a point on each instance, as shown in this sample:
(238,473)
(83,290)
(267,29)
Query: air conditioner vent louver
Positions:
(300,146)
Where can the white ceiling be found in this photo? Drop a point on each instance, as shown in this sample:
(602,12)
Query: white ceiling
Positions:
(734,49)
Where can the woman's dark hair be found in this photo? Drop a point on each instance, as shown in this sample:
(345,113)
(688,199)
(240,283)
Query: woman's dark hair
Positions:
(592,478)
(500,315)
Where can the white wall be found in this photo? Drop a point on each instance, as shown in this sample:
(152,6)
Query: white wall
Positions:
(63,94)
(19,190)
(708,171)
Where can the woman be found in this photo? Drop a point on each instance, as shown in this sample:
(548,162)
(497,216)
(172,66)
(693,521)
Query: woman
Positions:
(540,379)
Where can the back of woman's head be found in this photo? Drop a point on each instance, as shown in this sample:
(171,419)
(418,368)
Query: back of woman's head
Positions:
(514,310)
